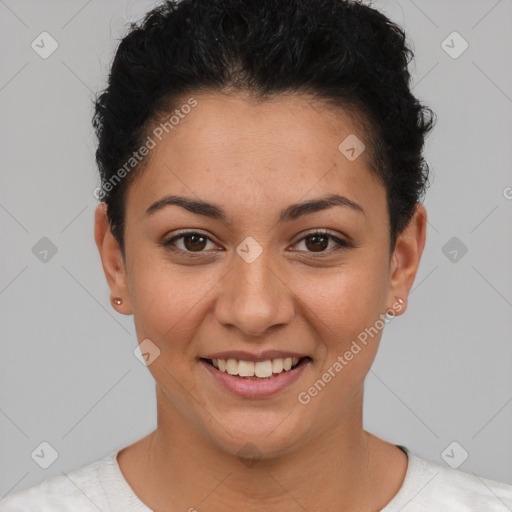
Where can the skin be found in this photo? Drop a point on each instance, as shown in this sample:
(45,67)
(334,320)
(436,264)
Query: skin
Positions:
(253,160)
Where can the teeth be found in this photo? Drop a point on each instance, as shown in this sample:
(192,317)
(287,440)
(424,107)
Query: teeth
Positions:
(245,368)
(232,366)
(261,369)
(277,366)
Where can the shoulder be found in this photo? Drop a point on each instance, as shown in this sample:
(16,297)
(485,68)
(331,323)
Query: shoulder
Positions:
(430,486)
(80,489)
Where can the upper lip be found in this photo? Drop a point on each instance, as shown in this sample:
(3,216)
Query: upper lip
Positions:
(241,355)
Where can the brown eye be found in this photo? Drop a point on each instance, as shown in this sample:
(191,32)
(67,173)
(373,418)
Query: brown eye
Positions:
(192,242)
(318,242)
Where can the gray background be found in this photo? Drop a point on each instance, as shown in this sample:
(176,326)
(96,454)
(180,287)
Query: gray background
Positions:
(68,374)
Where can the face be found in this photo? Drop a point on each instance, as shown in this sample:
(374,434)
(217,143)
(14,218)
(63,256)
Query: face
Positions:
(256,281)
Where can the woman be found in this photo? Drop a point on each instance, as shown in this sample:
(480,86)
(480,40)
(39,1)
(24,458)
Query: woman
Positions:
(262,173)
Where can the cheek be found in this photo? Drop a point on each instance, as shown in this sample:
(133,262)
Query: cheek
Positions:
(345,305)
(344,318)
(346,299)
(169,302)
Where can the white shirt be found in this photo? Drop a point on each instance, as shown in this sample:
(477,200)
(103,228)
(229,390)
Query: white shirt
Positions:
(427,487)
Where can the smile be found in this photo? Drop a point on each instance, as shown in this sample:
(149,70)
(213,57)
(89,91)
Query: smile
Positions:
(255,379)
(255,370)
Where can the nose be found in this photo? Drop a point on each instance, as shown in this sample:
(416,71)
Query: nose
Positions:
(255,297)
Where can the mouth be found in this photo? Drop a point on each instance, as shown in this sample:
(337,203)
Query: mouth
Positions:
(267,369)
(255,377)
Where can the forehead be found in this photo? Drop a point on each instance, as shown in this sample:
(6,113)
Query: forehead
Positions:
(283,149)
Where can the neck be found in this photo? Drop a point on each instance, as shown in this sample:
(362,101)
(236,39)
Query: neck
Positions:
(334,471)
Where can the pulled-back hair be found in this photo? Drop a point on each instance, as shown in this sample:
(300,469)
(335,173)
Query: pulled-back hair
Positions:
(342,52)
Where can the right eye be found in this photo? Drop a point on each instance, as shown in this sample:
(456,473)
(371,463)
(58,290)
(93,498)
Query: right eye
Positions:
(193,242)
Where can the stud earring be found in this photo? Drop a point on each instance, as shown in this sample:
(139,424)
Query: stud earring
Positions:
(117,300)
(392,314)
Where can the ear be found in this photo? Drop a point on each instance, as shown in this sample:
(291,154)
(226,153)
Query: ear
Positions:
(112,260)
(406,259)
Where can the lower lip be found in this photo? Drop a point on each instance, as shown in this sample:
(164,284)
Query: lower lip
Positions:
(249,388)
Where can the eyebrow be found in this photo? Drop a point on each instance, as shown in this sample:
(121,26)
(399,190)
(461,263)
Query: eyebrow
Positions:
(292,212)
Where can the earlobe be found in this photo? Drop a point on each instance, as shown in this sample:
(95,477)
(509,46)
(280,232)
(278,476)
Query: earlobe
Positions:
(406,257)
(112,261)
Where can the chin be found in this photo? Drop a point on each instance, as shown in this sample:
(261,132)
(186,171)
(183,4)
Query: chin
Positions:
(259,436)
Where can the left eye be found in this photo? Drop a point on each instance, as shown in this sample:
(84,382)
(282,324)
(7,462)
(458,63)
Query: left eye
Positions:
(319,241)
(194,242)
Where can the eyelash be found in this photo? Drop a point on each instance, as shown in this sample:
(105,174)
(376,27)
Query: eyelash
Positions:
(341,244)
